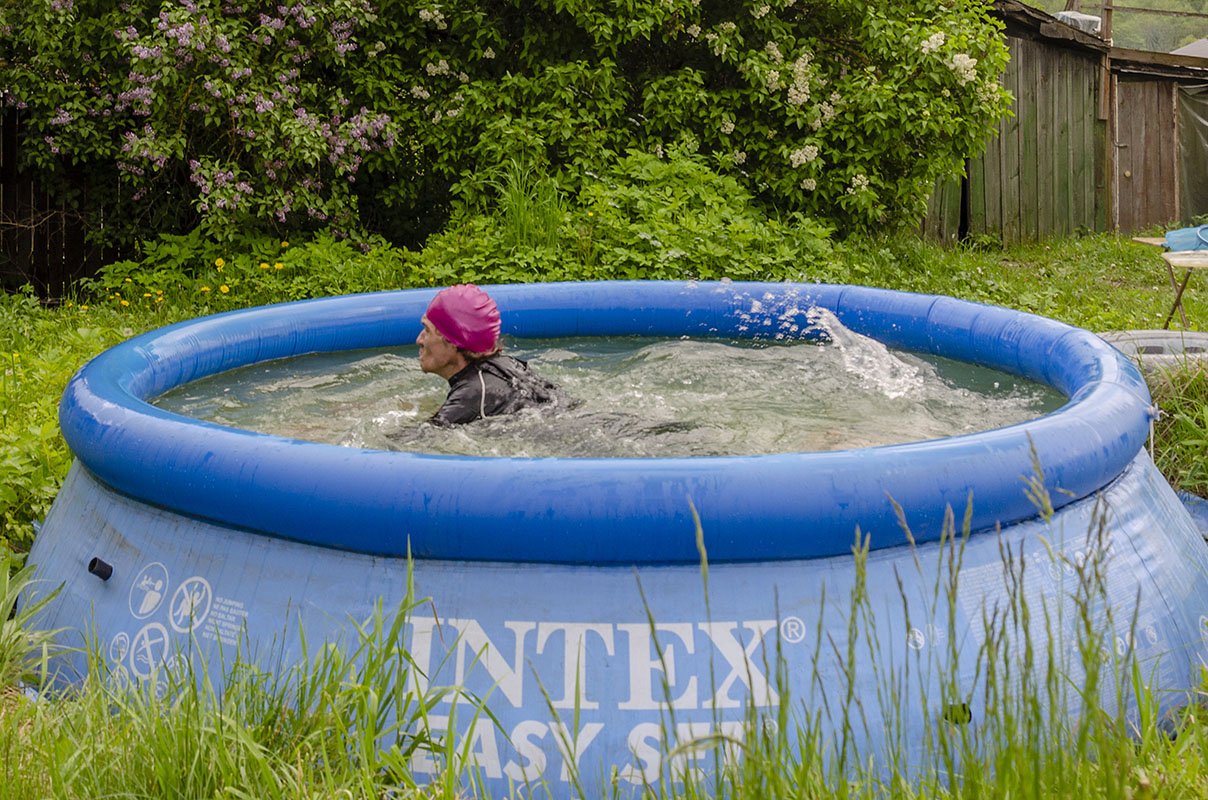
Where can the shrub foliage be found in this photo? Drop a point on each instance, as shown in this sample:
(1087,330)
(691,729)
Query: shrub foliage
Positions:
(377,114)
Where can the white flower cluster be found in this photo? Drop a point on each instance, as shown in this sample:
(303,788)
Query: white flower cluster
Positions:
(799,90)
(934,42)
(760,11)
(433,16)
(489,53)
(803,155)
(714,39)
(772,79)
(859,183)
(439,68)
(809,184)
(773,51)
(693,30)
(964,66)
(727,126)
(420,93)
(740,157)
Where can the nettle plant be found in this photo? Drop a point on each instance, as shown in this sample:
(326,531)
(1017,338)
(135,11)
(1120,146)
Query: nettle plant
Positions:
(354,114)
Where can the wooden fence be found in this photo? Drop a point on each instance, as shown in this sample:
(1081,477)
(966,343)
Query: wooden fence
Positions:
(1094,141)
(42,244)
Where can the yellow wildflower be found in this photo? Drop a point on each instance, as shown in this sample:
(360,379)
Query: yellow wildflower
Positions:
(146,294)
(129,281)
(278,265)
(218,262)
(83,307)
(285,244)
(204,289)
(125,302)
(263,265)
(224,288)
(159,299)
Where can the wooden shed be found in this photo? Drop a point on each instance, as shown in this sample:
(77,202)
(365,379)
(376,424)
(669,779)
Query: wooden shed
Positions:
(1098,140)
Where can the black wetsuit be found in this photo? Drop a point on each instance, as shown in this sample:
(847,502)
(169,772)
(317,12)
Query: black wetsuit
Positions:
(492,386)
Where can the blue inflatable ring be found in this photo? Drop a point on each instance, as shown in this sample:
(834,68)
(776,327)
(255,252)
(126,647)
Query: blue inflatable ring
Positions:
(606,511)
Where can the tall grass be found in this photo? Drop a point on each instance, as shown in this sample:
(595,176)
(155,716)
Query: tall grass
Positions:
(1182,428)
(532,208)
(24,649)
(343,723)
(1051,711)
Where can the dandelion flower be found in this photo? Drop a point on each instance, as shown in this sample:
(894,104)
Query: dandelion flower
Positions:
(285,244)
(125,302)
(263,265)
(224,288)
(278,265)
(204,289)
(218,262)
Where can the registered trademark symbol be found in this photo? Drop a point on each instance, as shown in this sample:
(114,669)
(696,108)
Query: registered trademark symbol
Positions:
(792,629)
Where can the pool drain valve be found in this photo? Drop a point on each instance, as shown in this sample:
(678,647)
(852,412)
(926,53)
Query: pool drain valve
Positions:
(99,568)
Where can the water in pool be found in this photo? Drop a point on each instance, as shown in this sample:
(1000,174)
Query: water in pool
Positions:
(636,397)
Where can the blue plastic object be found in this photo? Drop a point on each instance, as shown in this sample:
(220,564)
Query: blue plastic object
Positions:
(1195,238)
(542,576)
(598,511)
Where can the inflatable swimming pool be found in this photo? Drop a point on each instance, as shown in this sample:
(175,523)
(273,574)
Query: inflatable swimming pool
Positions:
(565,589)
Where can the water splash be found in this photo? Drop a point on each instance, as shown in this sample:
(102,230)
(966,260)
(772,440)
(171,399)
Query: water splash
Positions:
(874,364)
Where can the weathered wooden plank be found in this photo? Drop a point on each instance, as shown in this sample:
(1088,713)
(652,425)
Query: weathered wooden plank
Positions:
(1029,108)
(1009,152)
(1066,111)
(976,182)
(1045,143)
(1088,197)
(943,211)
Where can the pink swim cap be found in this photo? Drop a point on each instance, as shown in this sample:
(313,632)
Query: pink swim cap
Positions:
(467,317)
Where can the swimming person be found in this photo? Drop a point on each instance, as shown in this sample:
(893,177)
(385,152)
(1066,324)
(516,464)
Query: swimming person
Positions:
(460,343)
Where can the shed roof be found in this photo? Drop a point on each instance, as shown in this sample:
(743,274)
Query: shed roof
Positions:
(1198,48)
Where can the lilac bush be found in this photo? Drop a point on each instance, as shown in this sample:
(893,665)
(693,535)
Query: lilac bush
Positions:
(360,116)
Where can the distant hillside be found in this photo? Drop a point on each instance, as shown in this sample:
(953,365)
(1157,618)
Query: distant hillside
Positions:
(1148,31)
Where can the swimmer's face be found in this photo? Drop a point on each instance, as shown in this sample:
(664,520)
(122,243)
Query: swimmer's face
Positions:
(436,354)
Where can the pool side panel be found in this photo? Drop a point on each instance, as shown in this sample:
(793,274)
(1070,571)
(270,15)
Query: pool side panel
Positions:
(507,629)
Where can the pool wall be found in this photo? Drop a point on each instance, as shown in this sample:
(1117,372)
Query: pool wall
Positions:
(542,576)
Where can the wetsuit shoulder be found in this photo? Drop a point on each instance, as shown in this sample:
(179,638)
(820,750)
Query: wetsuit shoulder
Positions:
(490,387)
